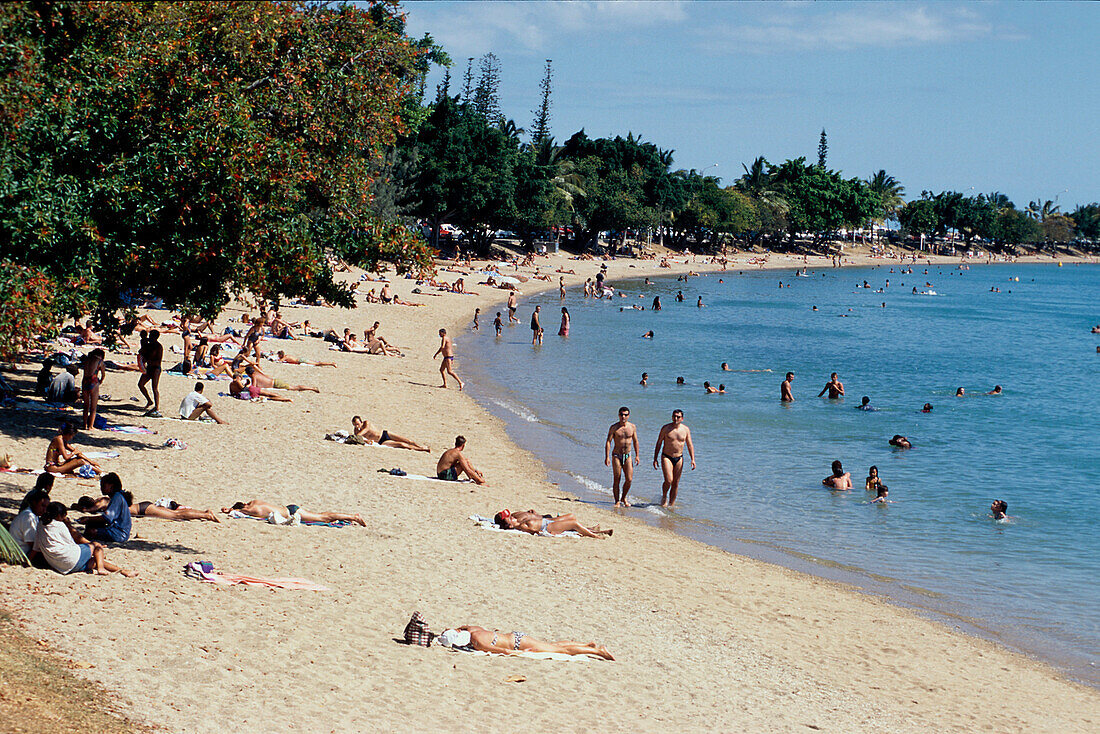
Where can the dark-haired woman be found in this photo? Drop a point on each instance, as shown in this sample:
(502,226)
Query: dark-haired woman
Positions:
(113,526)
(66,550)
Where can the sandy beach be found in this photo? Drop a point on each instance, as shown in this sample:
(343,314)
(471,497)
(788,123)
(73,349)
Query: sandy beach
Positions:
(704,640)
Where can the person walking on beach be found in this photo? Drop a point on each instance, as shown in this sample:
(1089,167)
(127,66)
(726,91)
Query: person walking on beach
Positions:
(150,356)
(536,327)
(564,329)
(621,437)
(447,349)
(834,387)
(673,438)
(512,308)
(785,395)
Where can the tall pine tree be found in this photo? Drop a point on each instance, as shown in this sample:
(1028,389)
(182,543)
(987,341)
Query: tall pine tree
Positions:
(540,130)
(468,81)
(822,149)
(487,93)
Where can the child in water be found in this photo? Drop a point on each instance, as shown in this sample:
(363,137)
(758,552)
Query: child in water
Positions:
(999,508)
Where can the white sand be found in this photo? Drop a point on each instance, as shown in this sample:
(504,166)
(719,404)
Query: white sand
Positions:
(705,640)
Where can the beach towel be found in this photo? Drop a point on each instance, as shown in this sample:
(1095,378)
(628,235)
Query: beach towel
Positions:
(532,655)
(101,454)
(128,429)
(238,515)
(204,571)
(487,523)
(35,406)
(421,476)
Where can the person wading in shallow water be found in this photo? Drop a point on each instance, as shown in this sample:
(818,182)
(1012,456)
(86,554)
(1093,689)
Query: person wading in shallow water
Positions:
(673,437)
(621,438)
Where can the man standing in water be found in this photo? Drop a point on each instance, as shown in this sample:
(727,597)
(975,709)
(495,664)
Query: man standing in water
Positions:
(674,436)
(512,308)
(834,387)
(536,327)
(447,349)
(622,435)
(785,395)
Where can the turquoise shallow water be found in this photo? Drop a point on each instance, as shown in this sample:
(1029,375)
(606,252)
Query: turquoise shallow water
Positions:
(1031,583)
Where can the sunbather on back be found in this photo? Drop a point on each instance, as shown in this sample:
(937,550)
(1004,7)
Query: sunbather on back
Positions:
(263,510)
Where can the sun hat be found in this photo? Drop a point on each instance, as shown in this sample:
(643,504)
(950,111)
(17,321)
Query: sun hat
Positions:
(454,638)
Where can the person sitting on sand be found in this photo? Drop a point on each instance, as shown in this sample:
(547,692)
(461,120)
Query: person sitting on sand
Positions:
(531,522)
(264,381)
(839,479)
(264,510)
(113,525)
(367,430)
(286,359)
(61,457)
(454,463)
(66,550)
(62,388)
(164,509)
(378,345)
(999,510)
(900,441)
(514,643)
(24,528)
(873,482)
(194,404)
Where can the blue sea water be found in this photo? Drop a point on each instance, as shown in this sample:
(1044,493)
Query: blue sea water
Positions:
(1032,583)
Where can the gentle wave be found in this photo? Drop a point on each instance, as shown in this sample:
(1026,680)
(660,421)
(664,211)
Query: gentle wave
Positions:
(517,410)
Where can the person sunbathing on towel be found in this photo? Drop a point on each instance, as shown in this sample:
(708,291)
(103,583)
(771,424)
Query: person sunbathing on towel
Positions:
(514,643)
(286,359)
(264,381)
(453,463)
(530,521)
(245,390)
(367,430)
(262,510)
(164,509)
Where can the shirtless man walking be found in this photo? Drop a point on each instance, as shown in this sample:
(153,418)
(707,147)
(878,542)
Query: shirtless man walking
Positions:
(453,463)
(621,436)
(834,387)
(512,308)
(150,357)
(447,349)
(366,429)
(674,437)
(785,395)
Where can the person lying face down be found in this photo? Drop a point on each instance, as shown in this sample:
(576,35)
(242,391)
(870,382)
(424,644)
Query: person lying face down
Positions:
(530,521)
(472,637)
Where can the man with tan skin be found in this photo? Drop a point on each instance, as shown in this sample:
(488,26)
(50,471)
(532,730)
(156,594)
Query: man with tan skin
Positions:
(367,430)
(621,436)
(453,463)
(674,437)
(512,308)
(266,381)
(262,510)
(447,349)
(785,395)
(150,357)
(834,387)
(287,359)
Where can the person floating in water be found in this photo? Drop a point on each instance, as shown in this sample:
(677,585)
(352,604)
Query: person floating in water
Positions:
(865,404)
(622,437)
(699,303)
(834,387)
(839,479)
(726,367)
(880,499)
(900,442)
(673,438)
(960,393)
(927,408)
(995,391)
(721,389)
(680,381)
(648,334)
(645,379)
(708,389)
(999,510)
(785,395)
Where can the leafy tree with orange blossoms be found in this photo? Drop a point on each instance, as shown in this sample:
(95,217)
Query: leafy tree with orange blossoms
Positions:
(202,150)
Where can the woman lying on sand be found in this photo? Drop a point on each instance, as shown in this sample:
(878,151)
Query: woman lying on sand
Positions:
(530,521)
(513,643)
(164,509)
(263,510)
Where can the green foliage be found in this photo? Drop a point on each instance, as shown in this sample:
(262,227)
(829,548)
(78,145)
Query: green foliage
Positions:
(200,150)
(1014,227)
(822,150)
(919,217)
(1057,228)
(33,303)
(821,201)
(540,129)
(1086,219)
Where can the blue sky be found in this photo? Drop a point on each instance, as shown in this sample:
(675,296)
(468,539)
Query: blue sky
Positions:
(994,96)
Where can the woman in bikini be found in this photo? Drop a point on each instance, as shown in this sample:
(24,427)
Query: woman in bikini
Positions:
(61,457)
(513,643)
(164,509)
(94,372)
(531,522)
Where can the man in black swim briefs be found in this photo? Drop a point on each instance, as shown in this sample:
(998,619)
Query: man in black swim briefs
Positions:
(673,438)
(621,437)
(368,431)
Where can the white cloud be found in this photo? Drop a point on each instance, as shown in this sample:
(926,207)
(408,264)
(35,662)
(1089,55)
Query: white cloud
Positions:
(473,28)
(885,25)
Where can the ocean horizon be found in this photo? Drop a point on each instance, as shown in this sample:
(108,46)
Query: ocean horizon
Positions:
(1028,583)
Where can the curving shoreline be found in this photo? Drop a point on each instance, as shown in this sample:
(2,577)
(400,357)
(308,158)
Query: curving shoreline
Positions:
(706,640)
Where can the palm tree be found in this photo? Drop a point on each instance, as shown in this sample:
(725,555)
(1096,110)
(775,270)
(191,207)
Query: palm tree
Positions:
(1041,211)
(758,183)
(889,192)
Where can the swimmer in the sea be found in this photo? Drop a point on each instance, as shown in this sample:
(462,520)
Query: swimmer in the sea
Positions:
(882,494)
(834,387)
(785,395)
(680,381)
(708,389)
(999,510)
(927,408)
(839,479)
(960,393)
(873,481)
(726,367)
(865,404)
(995,391)
(648,334)
(645,379)
(900,442)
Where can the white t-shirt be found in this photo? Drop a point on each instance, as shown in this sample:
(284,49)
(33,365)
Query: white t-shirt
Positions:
(193,400)
(24,528)
(56,544)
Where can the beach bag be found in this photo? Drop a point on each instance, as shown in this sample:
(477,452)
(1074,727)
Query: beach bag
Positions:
(417,633)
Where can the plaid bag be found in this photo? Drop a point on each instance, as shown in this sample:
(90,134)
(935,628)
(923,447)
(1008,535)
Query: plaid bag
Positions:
(417,633)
